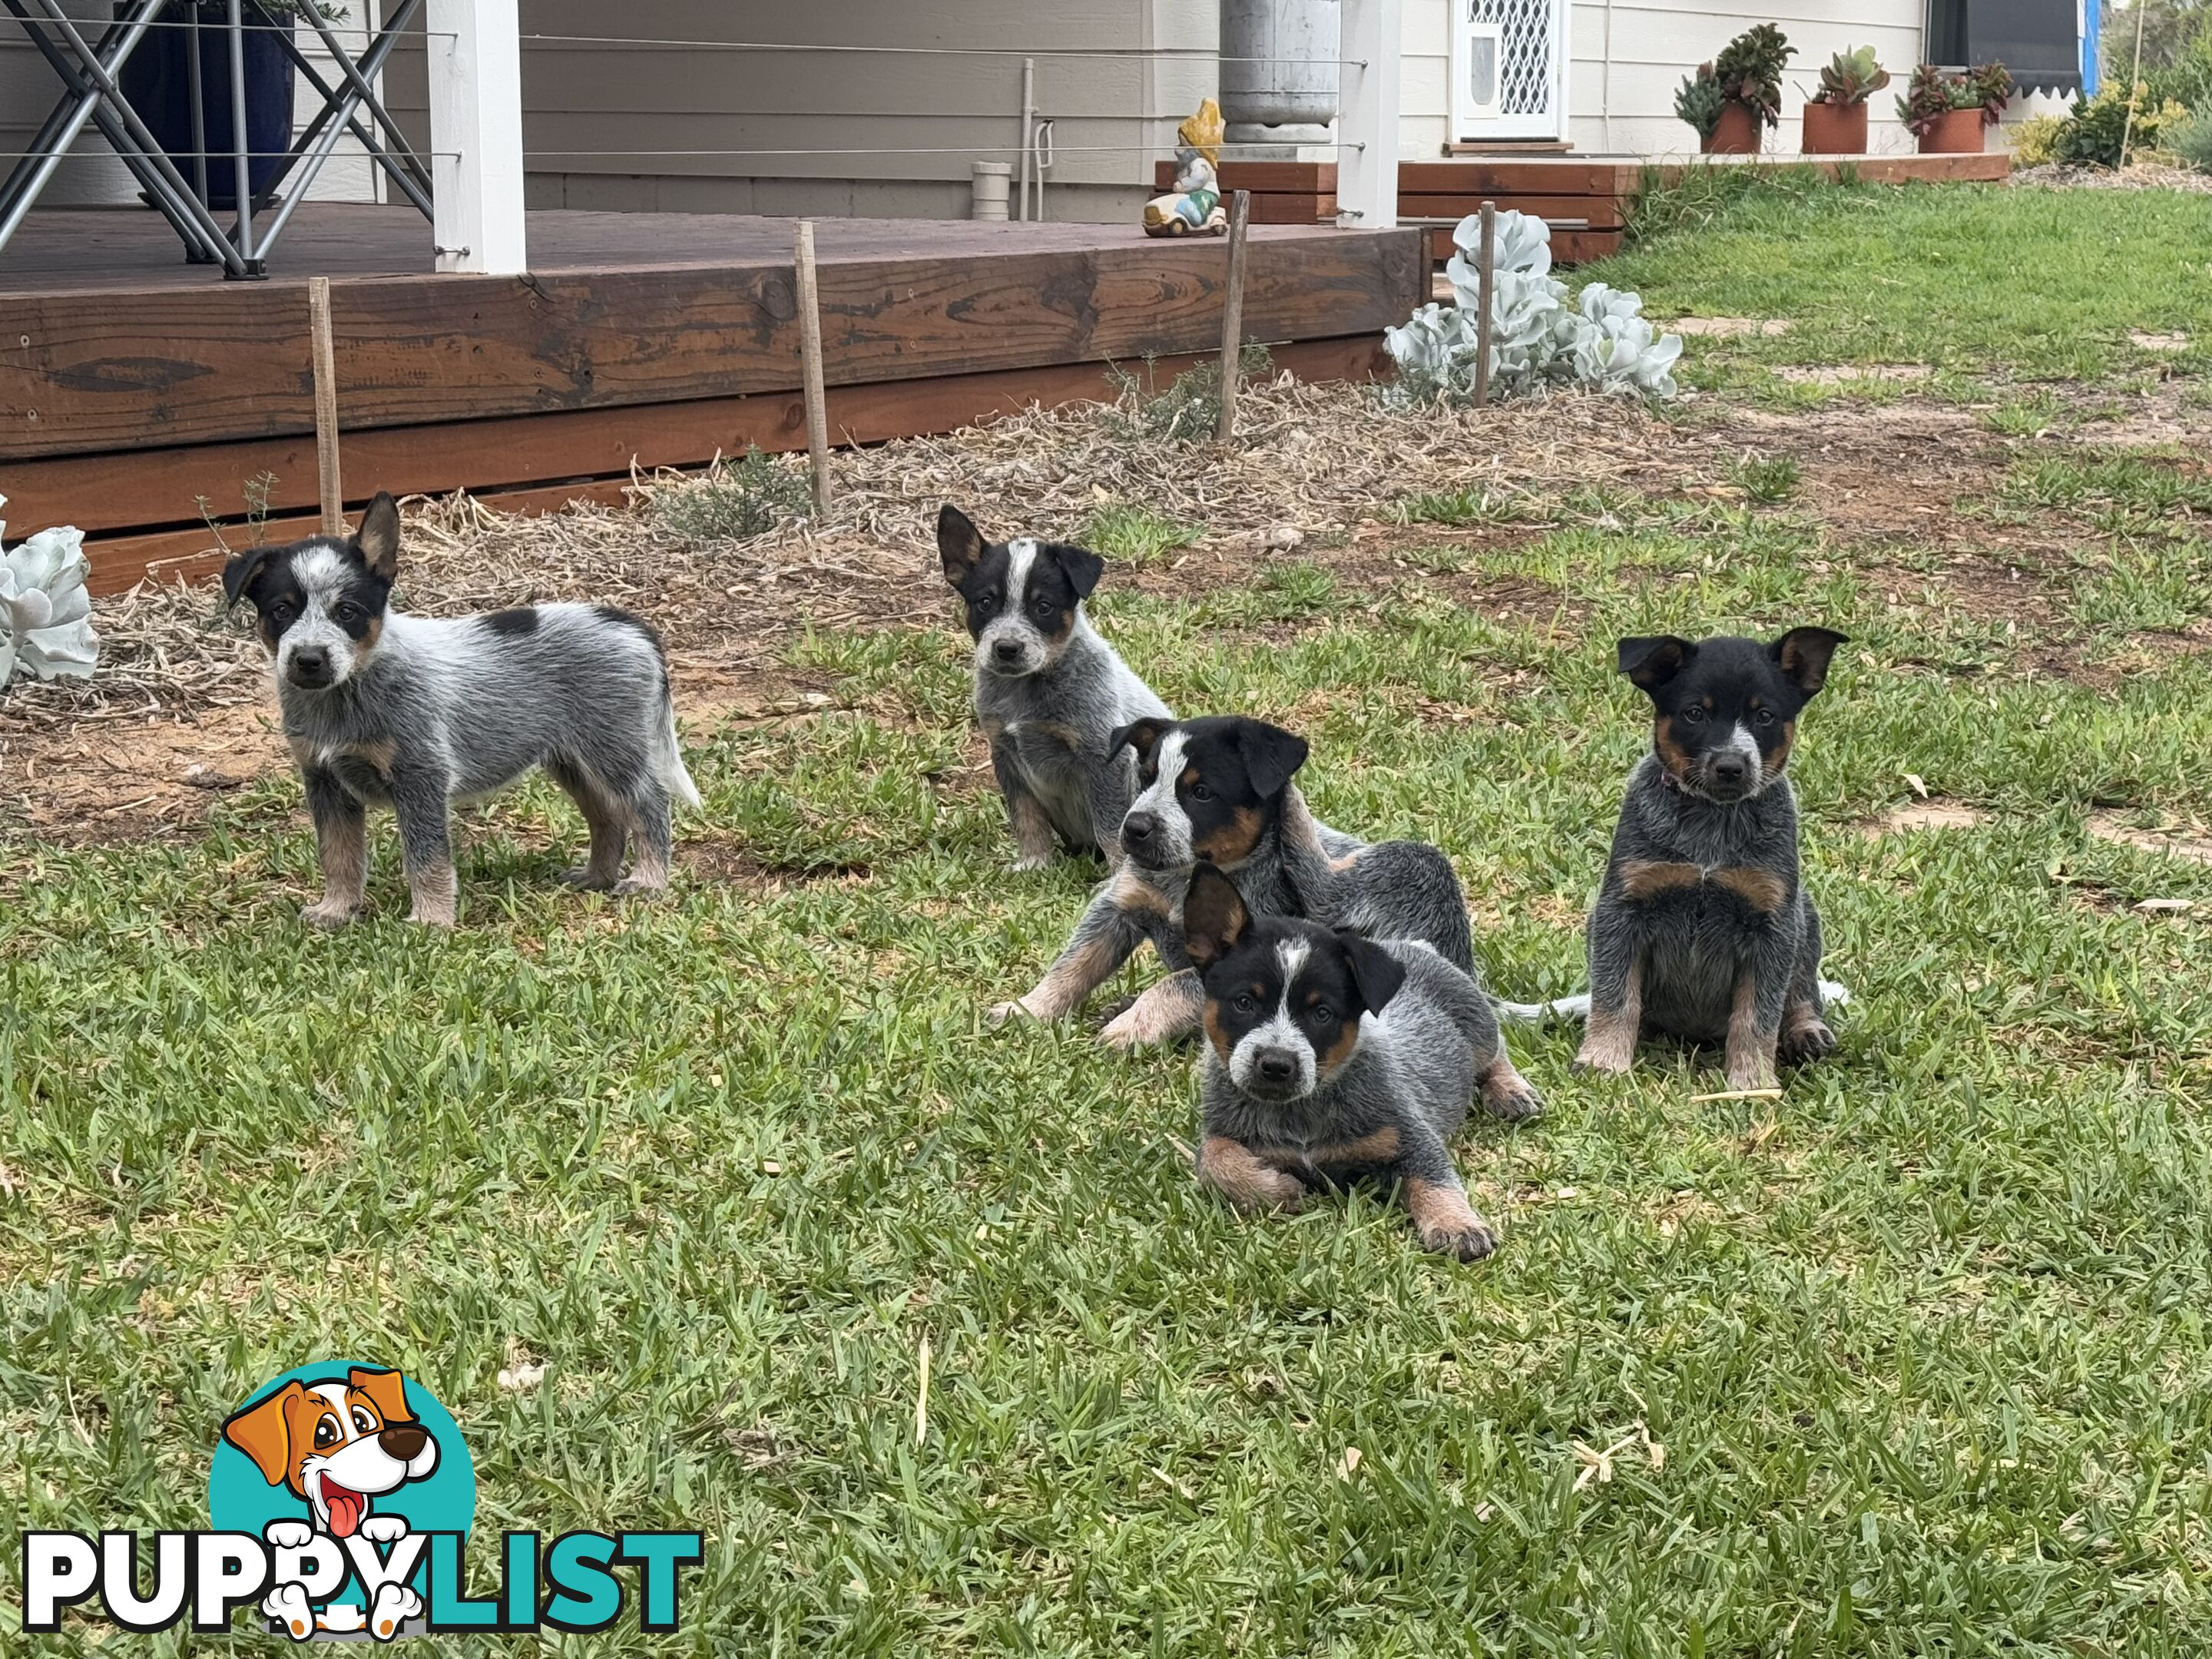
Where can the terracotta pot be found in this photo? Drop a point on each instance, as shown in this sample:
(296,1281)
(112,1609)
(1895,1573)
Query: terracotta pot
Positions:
(1737,134)
(1956,132)
(1835,130)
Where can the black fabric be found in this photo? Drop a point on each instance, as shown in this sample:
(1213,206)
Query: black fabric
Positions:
(2038,40)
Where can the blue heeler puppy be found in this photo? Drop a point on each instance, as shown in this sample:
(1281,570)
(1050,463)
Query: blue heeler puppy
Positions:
(1219,790)
(1331,1057)
(1702,930)
(384,708)
(1049,693)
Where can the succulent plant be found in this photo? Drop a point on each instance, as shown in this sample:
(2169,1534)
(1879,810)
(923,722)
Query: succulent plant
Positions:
(1851,78)
(1930,94)
(1536,337)
(1750,70)
(45,616)
(1699,100)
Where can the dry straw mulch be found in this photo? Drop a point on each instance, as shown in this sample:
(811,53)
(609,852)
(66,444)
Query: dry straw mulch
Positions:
(1318,459)
(2137,175)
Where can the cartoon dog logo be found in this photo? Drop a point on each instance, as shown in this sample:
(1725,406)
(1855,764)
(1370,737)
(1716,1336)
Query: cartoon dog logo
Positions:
(338,1445)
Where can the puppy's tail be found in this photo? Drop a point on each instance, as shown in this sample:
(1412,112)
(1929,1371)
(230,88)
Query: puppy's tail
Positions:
(1542,1014)
(1578,1007)
(672,773)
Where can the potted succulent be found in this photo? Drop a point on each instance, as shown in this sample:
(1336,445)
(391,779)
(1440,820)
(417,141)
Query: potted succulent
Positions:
(1950,114)
(1836,115)
(1749,70)
(1697,101)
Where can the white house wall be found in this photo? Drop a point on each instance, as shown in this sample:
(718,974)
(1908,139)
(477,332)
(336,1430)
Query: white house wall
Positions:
(1631,107)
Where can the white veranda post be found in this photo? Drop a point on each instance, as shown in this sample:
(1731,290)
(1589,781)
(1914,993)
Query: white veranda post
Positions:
(475,52)
(1367,162)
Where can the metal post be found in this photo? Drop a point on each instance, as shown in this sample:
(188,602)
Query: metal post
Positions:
(1233,315)
(242,162)
(199,109)
(1029,131)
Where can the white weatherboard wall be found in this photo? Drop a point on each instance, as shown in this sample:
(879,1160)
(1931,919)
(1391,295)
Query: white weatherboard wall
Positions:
(92,174)
(611,121)
(1652,47)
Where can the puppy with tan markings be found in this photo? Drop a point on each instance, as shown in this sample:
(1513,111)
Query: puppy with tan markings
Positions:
(1702,930)
(1219,790)
(381,708)
(338,1445)
(1331,1057)
(1049,693)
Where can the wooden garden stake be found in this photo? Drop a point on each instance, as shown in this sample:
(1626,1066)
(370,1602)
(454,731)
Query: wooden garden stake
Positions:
(326,406)
(809,351)
(1486,286)
(1232,313)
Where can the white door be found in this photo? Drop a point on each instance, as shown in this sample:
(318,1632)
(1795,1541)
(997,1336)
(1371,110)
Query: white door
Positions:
(1508,70)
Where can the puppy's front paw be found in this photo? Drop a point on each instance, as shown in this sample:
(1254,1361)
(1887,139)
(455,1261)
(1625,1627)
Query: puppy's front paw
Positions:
(327,913)
(289,1535)
(394,1604)
(1468,1240)
(288,1603)
(1755,1072)
(1604,1057)
(586,879)
(384,1529)
(641,882)
(1029,861)
(1000,1013)
(1810,1039)
(438,915)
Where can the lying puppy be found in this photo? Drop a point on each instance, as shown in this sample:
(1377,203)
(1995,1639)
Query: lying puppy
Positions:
(1702,930)
(1219,789)
(1049,693)
(380,706)
(1331,1056)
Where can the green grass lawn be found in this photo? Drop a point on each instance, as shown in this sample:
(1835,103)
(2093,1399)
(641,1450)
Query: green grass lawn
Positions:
(1914,1361)
(1986,287)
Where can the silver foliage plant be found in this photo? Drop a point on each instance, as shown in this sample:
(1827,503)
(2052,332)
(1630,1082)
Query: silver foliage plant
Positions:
(46,615)
(1540,336)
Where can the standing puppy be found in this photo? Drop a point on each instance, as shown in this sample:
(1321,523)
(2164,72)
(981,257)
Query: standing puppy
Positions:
(1331,1057)
(1049,693)
(1702,930)
(415,712)
(1219,790)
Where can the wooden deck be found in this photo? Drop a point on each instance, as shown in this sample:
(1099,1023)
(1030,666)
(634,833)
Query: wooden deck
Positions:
(133,386)
(1586,196)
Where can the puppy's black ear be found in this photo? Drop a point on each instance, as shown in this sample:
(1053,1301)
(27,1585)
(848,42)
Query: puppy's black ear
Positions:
(1652,661)
(1214,916)
(238,570)
(959,544)
(1082,569)
(1139,735)
(1271,755)
(1802,653)
(1377,972)
(379,539)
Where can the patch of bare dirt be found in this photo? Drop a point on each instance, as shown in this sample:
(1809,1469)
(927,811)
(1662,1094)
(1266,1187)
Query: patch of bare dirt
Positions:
(2190,844)
(1926,815)
(1843,373)
(1728,328)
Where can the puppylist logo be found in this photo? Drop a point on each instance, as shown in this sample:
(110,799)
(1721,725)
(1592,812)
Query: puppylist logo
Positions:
(340,1503)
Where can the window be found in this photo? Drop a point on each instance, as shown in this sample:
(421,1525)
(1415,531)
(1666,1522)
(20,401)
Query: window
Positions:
(2038,40)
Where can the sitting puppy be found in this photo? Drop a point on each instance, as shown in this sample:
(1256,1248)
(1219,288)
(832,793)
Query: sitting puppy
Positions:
(1219,789)
(380,706)
(1049,693)
(1701,930)
(1331,1056)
